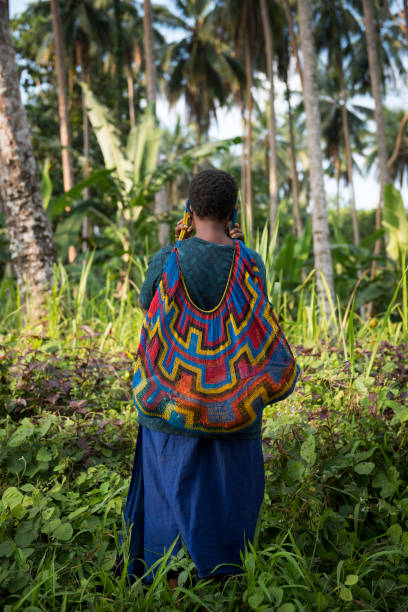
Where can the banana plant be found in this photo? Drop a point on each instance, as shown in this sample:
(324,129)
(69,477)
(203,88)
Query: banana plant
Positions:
(132,174)
(395,222)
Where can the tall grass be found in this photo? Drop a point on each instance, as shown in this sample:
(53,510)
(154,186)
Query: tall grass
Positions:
(79,309)
(89,309)
(309,319)
(107,310)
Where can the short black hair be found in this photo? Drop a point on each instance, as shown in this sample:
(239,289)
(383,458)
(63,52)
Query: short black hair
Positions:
(213,193)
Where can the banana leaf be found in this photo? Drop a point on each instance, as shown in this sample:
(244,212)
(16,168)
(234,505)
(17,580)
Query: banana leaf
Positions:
(395,222)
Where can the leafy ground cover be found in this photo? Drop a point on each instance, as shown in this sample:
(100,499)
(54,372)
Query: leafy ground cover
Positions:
(334,528)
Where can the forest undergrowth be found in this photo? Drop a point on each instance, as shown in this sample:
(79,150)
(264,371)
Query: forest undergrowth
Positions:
(333,533)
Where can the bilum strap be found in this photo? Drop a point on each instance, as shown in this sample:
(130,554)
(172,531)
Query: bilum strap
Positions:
(186,219)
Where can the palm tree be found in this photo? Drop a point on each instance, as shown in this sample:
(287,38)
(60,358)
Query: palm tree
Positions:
(270,53)
(161,203)
(294,173)
(395,122)
(133,56)
(133,38)
(176,142)
(65,135)
(397,163)
(336,30)
(337,139)
(321,243)
(85,26)
(375,79)
(242,20)
(402,22)
(118,55)
(261,158)
(85,37)
(199,67)
(85,33)
(292,35)
(31,243)
(291,45)
(151,84)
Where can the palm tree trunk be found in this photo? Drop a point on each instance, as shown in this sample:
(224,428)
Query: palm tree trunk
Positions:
(248,187)
(378,111)
(31,243)
(149,56)
(337,175)
(295,178)
(346,132)
(86,226)
(321,242)
(131,96)
(243,151)
(65,136)
(273,157)
(161,203)
(398,142)
(406,25)
(83,60)
(118,52)
(293,39)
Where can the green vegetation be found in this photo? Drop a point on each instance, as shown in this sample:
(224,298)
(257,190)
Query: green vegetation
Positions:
(310,94)
(333,534)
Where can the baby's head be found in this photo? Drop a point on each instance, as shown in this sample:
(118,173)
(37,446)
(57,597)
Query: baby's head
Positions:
(213,194)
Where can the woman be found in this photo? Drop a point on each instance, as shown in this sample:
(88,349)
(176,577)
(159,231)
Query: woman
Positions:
(205,491)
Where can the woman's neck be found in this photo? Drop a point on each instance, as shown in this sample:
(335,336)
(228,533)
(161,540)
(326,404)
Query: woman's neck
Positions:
(211,230)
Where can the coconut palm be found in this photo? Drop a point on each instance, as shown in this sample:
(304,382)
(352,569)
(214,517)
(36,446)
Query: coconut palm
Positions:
(293,166)
(65,135)
(321,243)
(242,21)
(396,141)
(292,36)
(174,143)
(86,32)
(273,167)
(31,244)
(151,84)
(276,45)
(290,46)
(161,203)
(337,139)
(199,67)
(133,45)
(336,30)
(375,79)
(400,19)
(261,157)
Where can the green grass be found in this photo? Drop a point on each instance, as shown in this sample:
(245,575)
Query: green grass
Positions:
(333,534)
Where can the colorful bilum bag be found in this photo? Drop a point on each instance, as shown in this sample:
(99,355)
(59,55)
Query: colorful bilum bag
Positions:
(211,373)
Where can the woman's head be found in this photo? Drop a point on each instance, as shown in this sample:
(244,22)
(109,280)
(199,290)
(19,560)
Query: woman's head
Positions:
(213,194)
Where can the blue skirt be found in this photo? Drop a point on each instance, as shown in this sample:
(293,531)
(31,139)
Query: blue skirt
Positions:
(208,492)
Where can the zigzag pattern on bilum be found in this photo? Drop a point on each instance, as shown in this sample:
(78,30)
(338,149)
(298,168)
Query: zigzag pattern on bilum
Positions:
(212,370)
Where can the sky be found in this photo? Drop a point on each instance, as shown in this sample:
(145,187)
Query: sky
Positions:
(229,125)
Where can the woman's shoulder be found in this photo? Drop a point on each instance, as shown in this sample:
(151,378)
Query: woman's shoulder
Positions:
(161,256)
(261,267)
(153,275)
(256,256)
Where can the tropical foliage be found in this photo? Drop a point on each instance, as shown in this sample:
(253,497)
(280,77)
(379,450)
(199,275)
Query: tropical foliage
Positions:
(311,89)
(332,534)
